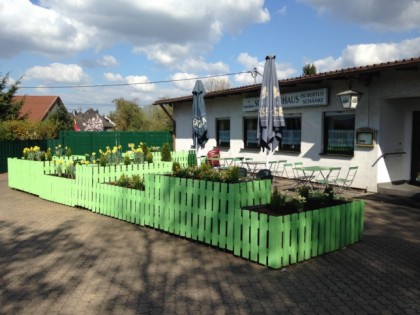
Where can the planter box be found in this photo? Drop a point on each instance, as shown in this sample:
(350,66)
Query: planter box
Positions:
(278,241)
(196,209)
(204,211)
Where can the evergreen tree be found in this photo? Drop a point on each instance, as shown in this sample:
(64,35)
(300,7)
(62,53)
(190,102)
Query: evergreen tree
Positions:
(61,118)
(9,110)
(309,69)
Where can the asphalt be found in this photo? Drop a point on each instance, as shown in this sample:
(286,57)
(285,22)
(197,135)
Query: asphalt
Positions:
(61,260)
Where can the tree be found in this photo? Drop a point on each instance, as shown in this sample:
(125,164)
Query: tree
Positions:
(127,116)
(9,110)
(217,84)
(157,119)
(309,69)
(61,118)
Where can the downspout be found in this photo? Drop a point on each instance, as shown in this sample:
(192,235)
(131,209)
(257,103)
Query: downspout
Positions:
(173,122)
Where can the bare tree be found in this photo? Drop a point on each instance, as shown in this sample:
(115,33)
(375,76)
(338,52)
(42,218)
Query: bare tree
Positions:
(217,84)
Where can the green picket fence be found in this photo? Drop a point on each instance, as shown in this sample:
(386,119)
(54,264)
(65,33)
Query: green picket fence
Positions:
(196,209)
(284,240)
(10,149)
(209,212)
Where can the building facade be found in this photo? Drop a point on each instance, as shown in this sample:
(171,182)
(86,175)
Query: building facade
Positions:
(381,135)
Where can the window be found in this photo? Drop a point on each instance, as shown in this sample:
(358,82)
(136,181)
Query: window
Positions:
(339,133)
(250,133)
(291,134)
(223,132)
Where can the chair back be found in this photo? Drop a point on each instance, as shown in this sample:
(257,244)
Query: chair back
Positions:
(334,174)
(345,183)
(287,170)
(214,154)
(264,174)
(351,174)
(297,173)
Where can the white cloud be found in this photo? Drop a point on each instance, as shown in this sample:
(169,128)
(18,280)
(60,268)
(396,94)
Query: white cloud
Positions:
(381,14)
(368,54)
(108,61)
(140,83)
(26,26)
(66,26)
(57,72)
(113,76)
(183,83)
(249,63)
(282,11)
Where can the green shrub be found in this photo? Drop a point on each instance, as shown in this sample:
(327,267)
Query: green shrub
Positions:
(166,153)
(329,192)
(303,191)
(175,166)
(278,199)
(123,181)
(149,157)
(68,152)
(127,160)
(48,155)
(144,148)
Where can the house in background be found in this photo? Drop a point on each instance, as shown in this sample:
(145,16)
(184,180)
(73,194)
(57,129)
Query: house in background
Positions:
(37,108)
(91,120)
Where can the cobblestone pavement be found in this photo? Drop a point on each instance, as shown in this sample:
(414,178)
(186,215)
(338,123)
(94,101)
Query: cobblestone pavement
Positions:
(61,260)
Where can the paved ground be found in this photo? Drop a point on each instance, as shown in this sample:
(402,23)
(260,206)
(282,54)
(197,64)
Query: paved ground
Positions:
(61,260)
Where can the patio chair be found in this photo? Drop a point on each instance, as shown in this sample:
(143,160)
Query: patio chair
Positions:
(274,165)
(264,174)
(331,178)
(287,170)
(298,173)
(213,154)
(346,182)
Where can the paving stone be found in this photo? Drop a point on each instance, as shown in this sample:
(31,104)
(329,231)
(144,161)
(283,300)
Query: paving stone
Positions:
(61,260)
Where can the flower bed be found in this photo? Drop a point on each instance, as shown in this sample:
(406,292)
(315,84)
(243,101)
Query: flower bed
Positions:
(202,210)
(278,241)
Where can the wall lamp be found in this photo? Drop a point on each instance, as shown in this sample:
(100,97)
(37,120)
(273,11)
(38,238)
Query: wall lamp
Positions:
(349,99)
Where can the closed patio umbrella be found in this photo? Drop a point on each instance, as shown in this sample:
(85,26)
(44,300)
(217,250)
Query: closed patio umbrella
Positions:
(199,123)
(270,113)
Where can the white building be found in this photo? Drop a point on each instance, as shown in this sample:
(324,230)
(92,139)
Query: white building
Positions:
(381,135)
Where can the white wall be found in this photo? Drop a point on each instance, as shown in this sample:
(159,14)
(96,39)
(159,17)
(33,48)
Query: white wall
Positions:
(386,106)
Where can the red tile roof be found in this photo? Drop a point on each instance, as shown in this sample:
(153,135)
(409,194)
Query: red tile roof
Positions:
(36,107)
(331,75)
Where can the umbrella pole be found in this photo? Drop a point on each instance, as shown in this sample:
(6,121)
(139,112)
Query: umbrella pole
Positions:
(266,160)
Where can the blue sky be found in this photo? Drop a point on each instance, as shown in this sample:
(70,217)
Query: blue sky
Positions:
(134,44)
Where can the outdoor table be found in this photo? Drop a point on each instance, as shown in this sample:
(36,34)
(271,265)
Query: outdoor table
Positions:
(274,166)
(253,166)
(312,172)
(226,161)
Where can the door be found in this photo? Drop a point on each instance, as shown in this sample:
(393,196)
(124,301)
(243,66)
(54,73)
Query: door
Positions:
(415,149)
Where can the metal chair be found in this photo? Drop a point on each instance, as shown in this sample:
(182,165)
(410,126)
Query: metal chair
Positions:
(287,170)
(264,174)
(213,154)
(346,182)
(332,177)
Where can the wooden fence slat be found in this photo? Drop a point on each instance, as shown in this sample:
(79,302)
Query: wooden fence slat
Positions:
(276,247)
(263,230)
(255,227)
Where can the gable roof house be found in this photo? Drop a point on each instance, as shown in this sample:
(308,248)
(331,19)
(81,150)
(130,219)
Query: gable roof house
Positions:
(91,120)
(37,108)
(379,133)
